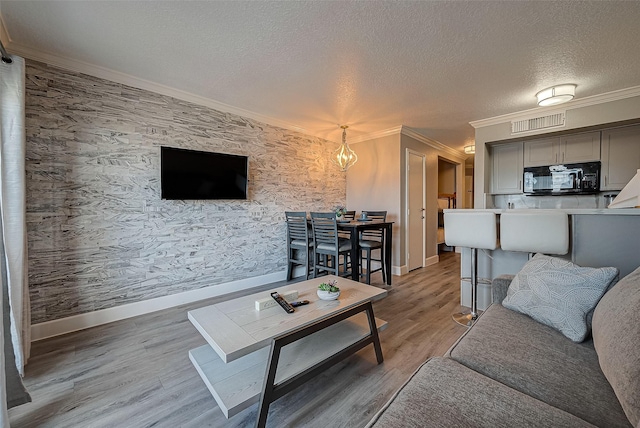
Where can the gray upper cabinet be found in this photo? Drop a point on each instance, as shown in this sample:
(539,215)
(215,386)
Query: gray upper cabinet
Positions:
(620,157)
(580,148)
(541,152)
(566,149)
(506,168)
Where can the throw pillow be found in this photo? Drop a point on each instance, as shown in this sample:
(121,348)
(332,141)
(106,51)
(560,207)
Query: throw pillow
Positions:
(558,293)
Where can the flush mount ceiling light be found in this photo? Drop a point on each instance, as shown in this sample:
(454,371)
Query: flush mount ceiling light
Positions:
(344,157)
(556,95)
(470,149)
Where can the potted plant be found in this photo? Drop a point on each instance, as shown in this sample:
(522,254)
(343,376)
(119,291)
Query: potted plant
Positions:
(340,211)
(328,290)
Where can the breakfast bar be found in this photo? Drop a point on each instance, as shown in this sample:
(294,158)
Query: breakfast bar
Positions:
(598,237)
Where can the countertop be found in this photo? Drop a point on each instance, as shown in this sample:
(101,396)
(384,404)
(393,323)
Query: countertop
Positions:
(571,211)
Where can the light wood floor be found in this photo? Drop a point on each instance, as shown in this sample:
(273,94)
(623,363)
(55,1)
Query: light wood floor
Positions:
(136,372)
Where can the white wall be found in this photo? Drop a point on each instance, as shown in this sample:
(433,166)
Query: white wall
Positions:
(373,183)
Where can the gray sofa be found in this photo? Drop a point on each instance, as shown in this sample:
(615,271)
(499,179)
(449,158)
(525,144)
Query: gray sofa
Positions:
(509,370)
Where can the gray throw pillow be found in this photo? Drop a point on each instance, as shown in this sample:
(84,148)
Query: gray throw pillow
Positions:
(558,293)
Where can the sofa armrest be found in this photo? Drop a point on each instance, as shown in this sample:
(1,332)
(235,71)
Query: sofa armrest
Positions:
(499,287)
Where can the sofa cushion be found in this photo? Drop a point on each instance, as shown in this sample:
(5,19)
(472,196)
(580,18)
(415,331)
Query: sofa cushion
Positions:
(539,361)
(499,287)
(444,393)
(616,336)
(558,293)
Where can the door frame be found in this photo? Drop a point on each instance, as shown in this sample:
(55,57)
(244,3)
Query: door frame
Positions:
(424,205)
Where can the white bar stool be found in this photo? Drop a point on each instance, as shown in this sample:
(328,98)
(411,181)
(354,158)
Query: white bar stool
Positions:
(474,230)
(539,232)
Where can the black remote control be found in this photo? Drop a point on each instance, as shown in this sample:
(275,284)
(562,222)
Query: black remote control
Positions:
(300,303)
(285,305)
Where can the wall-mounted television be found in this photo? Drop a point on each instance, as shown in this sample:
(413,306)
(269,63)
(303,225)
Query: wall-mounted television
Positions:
(192,174)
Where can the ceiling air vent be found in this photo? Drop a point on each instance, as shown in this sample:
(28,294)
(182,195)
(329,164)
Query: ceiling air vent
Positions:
(535,123)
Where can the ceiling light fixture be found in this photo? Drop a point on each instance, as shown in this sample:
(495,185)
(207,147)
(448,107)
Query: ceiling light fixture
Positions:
(344,157)
(470,149)
(556,95)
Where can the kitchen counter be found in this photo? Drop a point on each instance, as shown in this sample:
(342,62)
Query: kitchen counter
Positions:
(569,211)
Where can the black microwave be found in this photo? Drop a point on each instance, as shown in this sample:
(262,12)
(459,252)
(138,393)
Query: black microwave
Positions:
(574,178)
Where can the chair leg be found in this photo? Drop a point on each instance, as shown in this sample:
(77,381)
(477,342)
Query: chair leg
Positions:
(384,270)
(369,266)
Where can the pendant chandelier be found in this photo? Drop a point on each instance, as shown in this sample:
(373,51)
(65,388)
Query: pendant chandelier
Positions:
(344,157)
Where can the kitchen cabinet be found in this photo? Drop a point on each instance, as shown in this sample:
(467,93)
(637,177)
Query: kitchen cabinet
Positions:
(575,148)
(506,168)
(620,157)
(541,152)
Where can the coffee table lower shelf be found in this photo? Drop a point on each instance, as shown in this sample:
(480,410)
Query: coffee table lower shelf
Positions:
(238,384)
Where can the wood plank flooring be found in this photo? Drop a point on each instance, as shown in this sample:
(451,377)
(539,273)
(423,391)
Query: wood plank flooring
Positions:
(137,373)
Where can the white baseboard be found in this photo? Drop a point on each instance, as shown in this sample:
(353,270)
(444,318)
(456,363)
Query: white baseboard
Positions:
(104,316)
(431,260)
(399,270)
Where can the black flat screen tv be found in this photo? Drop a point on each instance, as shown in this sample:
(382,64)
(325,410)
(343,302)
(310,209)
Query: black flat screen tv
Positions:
(191,174)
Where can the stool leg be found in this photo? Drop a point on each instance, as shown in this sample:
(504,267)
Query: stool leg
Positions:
(464,318)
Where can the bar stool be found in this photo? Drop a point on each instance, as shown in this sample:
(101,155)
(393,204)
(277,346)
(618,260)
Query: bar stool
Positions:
(298,240)
(474,230)
(540,232)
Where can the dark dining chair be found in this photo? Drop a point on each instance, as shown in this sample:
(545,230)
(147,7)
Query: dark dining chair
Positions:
(329,246)
(298,242)
(349,215)
(371,240)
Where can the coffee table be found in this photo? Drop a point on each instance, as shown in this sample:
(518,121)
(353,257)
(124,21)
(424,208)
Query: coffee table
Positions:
(233,363)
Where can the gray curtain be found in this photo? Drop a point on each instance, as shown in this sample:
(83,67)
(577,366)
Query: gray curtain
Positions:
(14,335)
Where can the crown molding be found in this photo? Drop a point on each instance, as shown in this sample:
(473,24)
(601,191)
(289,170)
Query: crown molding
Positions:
(410,132)
(136,82)
(375,134)
(576,103)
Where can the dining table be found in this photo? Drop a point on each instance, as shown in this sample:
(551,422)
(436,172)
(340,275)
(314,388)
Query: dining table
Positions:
(355,227)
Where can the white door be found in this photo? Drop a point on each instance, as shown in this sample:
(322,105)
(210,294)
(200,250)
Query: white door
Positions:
(415,209)
(468,182)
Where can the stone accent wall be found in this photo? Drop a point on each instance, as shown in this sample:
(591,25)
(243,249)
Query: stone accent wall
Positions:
(99,234)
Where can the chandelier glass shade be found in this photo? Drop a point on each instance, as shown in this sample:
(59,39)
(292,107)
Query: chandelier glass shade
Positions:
(344,157)
(470,149)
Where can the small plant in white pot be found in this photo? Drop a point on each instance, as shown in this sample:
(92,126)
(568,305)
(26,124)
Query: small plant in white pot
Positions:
(328,290)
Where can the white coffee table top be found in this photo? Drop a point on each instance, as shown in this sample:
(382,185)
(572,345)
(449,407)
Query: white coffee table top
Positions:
(235,328)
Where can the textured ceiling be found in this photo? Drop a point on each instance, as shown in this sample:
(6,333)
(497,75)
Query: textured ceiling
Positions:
(374,65)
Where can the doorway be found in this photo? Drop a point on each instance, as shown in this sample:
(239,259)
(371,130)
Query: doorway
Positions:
(415,215)
(447,197)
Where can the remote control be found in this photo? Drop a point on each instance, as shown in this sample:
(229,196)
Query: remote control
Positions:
(300,303)
(285,305)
